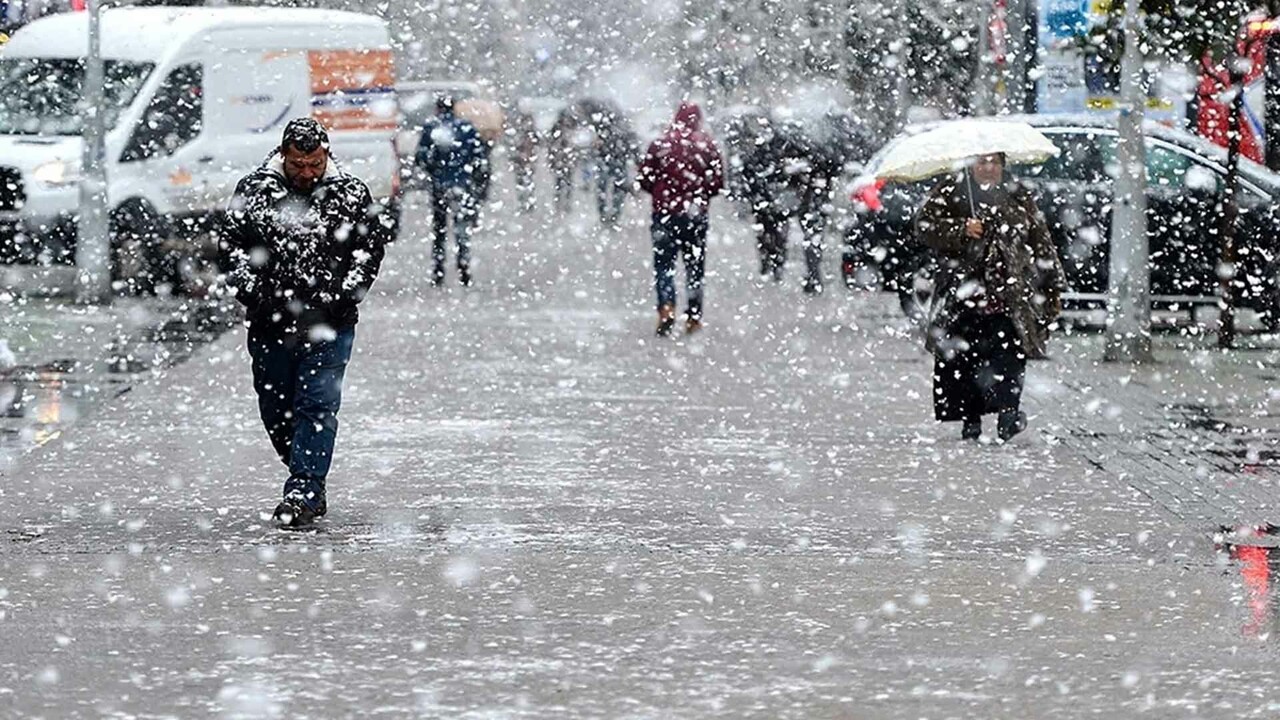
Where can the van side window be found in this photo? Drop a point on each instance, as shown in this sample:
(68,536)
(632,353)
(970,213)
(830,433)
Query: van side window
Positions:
(173,118)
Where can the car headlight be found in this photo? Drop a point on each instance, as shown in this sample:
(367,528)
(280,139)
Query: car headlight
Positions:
(57,173)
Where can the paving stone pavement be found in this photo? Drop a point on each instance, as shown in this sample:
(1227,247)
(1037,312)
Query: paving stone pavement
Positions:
(540,510)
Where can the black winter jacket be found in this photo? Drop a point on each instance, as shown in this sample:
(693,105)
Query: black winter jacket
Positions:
(298,260)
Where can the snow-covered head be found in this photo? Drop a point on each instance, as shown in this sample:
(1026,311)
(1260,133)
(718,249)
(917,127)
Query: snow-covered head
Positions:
(688,119)
(305,152)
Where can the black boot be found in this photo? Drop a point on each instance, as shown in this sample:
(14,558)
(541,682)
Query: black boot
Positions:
(972,429)
(1011,423)
(296,510)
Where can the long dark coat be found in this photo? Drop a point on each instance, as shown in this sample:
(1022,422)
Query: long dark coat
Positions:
(1014,263)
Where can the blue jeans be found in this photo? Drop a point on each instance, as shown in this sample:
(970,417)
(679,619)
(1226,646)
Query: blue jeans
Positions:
(299,386)
(611,192)
(686,236)
(462,207)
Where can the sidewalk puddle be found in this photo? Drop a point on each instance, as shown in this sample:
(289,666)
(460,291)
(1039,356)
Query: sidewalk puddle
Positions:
(39,402)
(1255,553)
(36,404)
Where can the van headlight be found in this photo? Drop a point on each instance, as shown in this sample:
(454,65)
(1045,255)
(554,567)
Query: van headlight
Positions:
(57,173)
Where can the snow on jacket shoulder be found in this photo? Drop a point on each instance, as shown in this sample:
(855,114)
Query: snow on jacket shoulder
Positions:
(683,169)
(451,152)
(303,259)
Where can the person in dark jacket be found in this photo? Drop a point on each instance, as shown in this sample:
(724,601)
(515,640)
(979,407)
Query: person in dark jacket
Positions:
(302,242)
(455,159)
(563,156)
(774,171)
(787,175)
(997,290)
(522,133)
(682,170)
(614,148)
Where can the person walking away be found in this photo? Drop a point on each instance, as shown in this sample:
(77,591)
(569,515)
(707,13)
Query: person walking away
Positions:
(615,146)
(302,243)
(774,177)
(563,157)
(452,156)
(998,288)
(824,165)
(682,170)
(523,135)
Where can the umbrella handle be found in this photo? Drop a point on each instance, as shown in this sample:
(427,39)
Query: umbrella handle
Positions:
(968,181)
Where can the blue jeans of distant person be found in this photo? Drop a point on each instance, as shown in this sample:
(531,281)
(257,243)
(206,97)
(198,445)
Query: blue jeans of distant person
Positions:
(460,205)
(299,386)
(684,236)
(611,192)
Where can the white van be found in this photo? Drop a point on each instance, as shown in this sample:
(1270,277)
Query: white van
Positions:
(195,99)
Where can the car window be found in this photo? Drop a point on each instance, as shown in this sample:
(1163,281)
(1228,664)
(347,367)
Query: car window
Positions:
(173,118)
(1082,158)
(1168,168)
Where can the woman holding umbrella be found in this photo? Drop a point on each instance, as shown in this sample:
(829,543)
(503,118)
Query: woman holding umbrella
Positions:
(998,289)
(999,281)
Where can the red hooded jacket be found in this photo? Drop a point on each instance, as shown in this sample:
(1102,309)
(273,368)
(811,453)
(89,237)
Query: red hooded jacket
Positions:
(683,169)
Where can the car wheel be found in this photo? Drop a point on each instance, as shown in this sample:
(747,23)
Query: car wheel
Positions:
(1270,305)
(138,259)
(915,296)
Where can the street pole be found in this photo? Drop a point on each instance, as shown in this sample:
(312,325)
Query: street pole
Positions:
(1021,54)
(982,97)
(93,241)
(1129,311)
(1271,90)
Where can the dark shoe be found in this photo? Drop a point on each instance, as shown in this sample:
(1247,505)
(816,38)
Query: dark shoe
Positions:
(812,288)
(464,277)
(1011,423)
(296,511)
(972,429)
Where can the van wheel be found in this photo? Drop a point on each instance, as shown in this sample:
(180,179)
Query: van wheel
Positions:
(915,294)
(1270,305)
(138,262)
(391,218)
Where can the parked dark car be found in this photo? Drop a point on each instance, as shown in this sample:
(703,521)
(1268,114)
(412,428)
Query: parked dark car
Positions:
(1185,185)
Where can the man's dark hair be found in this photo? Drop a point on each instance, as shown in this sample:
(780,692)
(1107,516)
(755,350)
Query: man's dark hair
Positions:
(444,103)
(304,134)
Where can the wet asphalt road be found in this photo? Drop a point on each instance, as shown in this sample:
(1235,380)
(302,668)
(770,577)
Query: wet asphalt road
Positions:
(538,509)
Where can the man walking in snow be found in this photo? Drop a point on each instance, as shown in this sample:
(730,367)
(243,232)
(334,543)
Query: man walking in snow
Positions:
(455,158)
(302,242)
(682,170)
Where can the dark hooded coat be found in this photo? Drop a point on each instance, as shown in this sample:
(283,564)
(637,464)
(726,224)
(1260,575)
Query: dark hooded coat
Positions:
(683,169)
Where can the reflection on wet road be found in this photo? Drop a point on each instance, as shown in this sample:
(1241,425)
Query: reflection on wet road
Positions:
(1256,555)
(39,402)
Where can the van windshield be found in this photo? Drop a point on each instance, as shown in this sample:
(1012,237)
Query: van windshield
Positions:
(41,96)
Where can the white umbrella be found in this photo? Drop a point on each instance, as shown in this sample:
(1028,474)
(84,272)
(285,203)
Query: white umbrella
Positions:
(952,146)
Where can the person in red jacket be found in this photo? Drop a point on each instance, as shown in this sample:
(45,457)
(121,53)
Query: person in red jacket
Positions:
(682,170)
